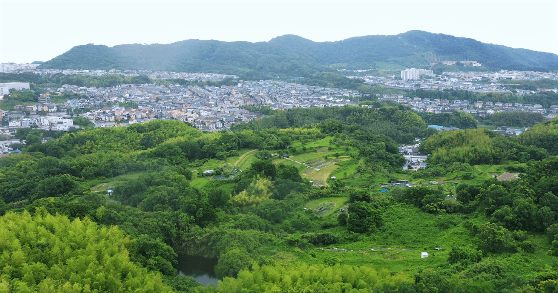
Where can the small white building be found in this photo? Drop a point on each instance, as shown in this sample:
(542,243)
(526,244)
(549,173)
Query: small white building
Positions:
(423,254)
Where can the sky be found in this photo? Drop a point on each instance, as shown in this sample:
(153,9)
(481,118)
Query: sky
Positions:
(41,30)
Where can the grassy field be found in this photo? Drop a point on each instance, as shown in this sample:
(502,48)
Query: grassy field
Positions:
(100,186)
(243,162)
(198,182)
(327,206)
(315,166)
(320,177)
(346,168)
(246,160)
(313,144)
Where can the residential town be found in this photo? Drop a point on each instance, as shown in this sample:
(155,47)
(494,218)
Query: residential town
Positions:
(20,68)
(478,82)
(479,108)
(207,108)
(211,108)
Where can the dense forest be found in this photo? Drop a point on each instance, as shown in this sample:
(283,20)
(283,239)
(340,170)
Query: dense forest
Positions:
(390,119)
(304,200)
(293,56)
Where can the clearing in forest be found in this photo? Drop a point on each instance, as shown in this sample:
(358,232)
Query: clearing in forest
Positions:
(103,187)
(245,160)
(326,206)
(320,177)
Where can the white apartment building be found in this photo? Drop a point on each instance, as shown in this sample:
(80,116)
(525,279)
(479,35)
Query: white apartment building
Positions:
(414,73)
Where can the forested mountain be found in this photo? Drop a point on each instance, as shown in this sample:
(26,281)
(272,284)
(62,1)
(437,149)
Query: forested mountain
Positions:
(294,56)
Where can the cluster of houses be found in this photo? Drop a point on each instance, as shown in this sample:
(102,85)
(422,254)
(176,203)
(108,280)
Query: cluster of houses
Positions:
(213,108)
(6,146)
(500,75)
(468,81)
(56,122)
(207,108)
(413,159)
(151,74)
(479,108)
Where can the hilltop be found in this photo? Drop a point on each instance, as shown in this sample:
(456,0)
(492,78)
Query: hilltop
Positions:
(294,56)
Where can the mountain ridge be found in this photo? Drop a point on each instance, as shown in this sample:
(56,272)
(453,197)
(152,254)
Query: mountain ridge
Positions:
(292,55)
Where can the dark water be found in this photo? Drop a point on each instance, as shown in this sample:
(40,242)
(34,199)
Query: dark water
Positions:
(199,268)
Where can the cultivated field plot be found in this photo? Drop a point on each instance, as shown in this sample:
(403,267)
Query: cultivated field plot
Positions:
(326,206)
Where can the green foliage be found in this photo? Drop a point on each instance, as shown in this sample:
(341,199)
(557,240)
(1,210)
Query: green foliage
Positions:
(149,168)
(463,255)
(153,254)
(181,283)
(541,175)
(545,99)
(46,252)
(543,135)
(432,281)
(363,218)
(231,262)
(332,80)
(457,119)
(531,84)
(494,238)
(313,278)
(551,232)
(23,96)
(157,191)
(514,119)
(397,122)
(58,185)
(429,200)
(258,191)
(84,123)
(476,147)
(213,241)
(3,207)
(527,246)
(466,193)
(264,168)
(342,219)
(86,57)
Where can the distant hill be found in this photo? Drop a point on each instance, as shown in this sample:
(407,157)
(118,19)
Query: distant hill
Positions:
(294,56)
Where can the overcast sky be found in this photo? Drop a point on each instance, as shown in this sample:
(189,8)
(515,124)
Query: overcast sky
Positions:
(41,30)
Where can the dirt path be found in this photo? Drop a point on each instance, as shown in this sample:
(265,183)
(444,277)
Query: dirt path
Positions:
(244,156)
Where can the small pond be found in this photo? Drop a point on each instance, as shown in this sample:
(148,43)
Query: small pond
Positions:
(200,268)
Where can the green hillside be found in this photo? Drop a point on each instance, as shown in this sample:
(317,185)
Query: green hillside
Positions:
(300,201)
(294,56)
